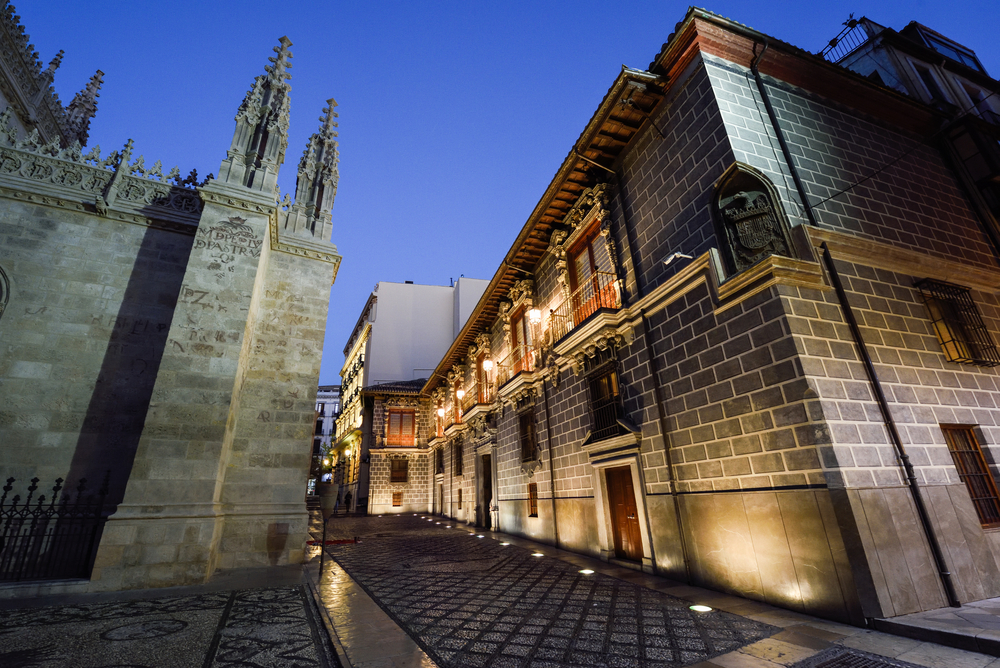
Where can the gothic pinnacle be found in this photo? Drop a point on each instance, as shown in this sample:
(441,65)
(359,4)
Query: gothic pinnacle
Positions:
(277,71)
(328,121)
(55,63)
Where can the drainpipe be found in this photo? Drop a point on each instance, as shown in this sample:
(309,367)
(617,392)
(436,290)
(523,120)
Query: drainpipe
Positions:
(552,466)
(890,424)
(777,131)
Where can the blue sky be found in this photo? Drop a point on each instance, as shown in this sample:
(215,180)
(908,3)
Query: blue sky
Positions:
(454,116)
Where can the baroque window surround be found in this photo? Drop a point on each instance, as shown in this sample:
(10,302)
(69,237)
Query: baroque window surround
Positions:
(397,403)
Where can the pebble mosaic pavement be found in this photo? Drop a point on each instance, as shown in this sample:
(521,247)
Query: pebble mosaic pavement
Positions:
(259,628)
(472,602)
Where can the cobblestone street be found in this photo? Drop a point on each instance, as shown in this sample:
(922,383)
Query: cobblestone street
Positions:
(471,600)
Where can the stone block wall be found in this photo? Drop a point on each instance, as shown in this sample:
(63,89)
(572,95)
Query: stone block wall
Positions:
(416,490)
(83,335)
(924,391)
(667,183)
(915,202)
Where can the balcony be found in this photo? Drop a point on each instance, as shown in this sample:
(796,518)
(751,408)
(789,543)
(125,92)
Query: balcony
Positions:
(477,394)
(520,359)
(599,292)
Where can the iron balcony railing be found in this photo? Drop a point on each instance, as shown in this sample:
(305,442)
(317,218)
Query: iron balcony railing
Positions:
(850,38)
(52,540)
(600,291)
(477,393)
(520,358)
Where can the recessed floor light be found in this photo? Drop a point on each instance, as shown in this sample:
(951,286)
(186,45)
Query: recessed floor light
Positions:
(587,571)
(505,543)
(537,554)
(701,608)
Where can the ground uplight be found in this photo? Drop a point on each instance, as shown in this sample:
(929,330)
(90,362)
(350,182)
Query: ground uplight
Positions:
(701,608)
(537,554)
(505,544)
(587,571)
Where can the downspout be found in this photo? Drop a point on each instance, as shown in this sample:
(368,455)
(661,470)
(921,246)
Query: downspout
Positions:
(890,424)
(552,466)
(657,395)
(777,131)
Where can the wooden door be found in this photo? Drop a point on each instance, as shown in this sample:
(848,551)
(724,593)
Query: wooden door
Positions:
(487,492)
(624,518)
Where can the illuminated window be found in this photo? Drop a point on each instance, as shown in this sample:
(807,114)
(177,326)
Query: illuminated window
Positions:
(592,287)
(974,472)
(526,432)
(400,430)
(397,499)
(532,500)
(400,470)
(959,327)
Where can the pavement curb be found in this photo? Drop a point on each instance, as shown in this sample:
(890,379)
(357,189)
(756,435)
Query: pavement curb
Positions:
(942,636)
(308,575)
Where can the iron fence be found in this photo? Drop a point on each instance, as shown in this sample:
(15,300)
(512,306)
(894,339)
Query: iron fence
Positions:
(52,540)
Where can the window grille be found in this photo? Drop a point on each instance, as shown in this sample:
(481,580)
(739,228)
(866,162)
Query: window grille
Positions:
(975,473)
(526,432)
(532,500)
(957,323)
(458,459)
(397,499)
(400,470)
(605,404)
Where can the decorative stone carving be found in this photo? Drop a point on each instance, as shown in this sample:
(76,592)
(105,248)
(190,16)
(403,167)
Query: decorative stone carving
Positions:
(103,182)
(591,205)
(752,224)
(606,339)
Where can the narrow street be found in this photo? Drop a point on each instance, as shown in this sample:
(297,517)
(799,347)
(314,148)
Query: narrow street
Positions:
(491,600)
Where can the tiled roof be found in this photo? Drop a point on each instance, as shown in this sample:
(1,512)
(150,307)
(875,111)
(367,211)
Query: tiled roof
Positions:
(396,387)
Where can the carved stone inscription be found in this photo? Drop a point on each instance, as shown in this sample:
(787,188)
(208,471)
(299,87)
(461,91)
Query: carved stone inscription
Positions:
(226,241)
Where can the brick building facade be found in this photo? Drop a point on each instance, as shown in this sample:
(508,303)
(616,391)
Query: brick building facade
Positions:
(745,339)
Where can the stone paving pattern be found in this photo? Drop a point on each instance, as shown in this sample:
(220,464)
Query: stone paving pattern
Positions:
(473,602)
(270,627)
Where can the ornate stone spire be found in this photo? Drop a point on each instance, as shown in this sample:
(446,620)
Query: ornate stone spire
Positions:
(316,184)
(261,135)
(55,63)
(45,78)
(82,109)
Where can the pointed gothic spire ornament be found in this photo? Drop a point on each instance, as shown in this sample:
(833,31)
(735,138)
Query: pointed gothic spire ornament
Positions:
(261,136)
(316,183)
(82,109)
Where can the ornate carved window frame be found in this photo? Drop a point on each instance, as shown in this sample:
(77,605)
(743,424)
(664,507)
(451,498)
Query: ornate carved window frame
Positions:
(590,209)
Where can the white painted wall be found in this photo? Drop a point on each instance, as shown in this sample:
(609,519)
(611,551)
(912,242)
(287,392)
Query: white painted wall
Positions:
(467,294)
(413,326)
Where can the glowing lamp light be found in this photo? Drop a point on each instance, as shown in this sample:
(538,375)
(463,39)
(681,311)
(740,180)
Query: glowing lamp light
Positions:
(537,554)
(505,544)
(487,365)
(326,462)
(440,412)
(460,394)
(347,453)
(534,316)
(701,608)
(480,536)
(587,571)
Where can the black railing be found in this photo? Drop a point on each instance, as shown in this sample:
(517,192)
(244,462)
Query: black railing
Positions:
(49,541)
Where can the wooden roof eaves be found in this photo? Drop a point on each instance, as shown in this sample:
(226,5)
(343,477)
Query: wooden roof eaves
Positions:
(559,181)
